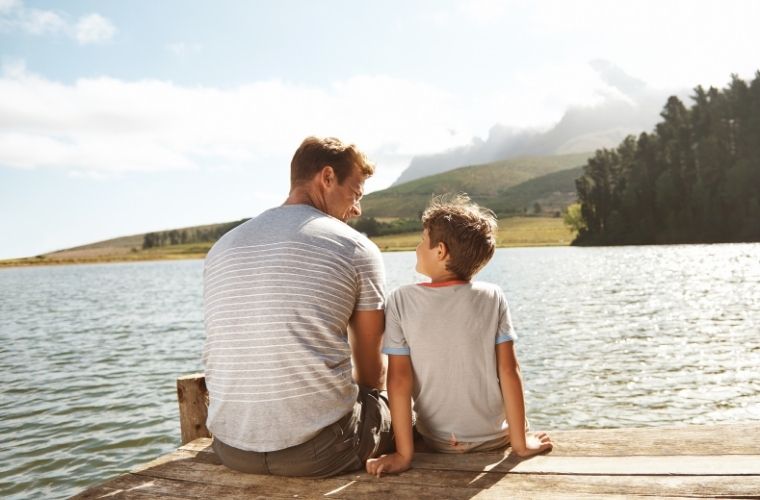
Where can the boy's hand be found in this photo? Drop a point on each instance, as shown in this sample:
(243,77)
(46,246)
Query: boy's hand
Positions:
(535,443)
(390,464)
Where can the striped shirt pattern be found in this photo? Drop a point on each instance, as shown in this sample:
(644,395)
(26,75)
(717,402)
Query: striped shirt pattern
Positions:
(278,293)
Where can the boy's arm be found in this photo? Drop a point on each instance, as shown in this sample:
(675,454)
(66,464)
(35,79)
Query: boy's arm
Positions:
(523,445)
(400,397)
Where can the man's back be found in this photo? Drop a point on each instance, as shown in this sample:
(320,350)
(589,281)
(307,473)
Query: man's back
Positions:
(278,293)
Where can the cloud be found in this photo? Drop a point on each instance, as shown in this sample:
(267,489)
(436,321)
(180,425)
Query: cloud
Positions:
(183,49)
(108,126)
(9,5)
(92,28)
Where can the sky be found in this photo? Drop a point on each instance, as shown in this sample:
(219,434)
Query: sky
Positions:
(120,118)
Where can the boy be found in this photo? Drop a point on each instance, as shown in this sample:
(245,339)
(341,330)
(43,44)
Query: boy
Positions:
(450,345)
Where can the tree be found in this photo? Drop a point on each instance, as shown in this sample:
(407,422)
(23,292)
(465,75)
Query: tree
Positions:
(573,218)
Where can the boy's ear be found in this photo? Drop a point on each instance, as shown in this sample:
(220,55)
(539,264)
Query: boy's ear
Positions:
(442,252)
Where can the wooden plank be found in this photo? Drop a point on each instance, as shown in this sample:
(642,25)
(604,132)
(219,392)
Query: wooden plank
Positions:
(189,469)
(192,397)
(136,486)
(561,464)
(230,484)
(507,484)
(741,439)
(730,465)
(730,439)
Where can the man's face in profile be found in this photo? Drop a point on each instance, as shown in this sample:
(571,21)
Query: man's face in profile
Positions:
(343,199)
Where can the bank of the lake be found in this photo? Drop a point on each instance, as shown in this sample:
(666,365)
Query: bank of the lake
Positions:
(513,232)
(609,337)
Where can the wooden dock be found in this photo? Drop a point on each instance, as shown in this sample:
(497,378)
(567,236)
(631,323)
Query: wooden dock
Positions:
(696,461)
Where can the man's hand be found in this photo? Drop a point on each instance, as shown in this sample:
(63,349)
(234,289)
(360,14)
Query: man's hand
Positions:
(390,464)
(535,443)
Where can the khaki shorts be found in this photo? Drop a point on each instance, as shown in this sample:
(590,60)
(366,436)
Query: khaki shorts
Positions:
(341,447)
(452,445)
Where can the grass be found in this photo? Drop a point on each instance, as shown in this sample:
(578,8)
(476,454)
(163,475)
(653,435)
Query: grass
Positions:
(94,255)
(513,232)
(502,186)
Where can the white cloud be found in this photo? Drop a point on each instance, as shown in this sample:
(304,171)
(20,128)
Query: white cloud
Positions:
(183,49)
(94,28)
(105,125)
(9,5)
(43,22)
(484,11)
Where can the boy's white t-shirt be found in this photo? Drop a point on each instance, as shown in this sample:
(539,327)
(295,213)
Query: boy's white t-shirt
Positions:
(450,331)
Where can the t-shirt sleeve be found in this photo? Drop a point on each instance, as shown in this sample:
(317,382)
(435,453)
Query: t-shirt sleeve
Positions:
(506,332)
(394,341)
(370,275)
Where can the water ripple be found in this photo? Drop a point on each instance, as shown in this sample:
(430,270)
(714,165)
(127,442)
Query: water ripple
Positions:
(609,337)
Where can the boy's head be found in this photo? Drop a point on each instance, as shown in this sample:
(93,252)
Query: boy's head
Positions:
(462,232)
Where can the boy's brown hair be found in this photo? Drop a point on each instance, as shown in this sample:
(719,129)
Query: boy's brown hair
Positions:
(467,230)
(315,153)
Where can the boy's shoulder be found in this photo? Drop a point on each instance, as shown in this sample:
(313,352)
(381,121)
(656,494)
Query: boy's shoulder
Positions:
(487,289)
(475,287)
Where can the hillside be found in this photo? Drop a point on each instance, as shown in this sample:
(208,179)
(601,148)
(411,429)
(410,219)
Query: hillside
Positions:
(633,107)
(124,249)
(506,186)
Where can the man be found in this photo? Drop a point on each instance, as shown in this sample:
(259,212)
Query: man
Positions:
(290,297)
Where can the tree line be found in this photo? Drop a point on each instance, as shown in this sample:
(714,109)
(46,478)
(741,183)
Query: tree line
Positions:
(694,178)
(205,234)
(373,227)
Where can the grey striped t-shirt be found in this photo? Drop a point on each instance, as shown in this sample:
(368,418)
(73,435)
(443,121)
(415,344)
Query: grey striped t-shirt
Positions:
(278,293)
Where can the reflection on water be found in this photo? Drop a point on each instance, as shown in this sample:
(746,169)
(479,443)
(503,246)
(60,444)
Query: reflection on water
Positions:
(609,337)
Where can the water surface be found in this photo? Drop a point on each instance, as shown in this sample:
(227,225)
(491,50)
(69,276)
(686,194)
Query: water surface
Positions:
(609,337)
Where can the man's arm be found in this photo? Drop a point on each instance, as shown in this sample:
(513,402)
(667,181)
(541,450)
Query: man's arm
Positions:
(524,445)
(400,381)
(365,335)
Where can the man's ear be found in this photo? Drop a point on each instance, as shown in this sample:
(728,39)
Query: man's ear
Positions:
(327,176)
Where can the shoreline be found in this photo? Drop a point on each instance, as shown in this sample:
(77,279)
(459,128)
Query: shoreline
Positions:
(35,262)
(516,231)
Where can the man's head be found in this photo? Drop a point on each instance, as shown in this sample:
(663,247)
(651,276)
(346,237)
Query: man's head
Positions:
(466,231)
(333,173)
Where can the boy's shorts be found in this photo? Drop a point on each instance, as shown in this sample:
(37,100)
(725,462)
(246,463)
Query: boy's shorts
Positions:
(454,446)
(344,446)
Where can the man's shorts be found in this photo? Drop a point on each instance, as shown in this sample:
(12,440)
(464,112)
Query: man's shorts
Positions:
(341,447)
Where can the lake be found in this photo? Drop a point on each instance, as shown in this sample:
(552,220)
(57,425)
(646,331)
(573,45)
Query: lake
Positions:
(608,337)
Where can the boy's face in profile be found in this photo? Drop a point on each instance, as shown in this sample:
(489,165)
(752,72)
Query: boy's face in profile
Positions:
(427,262)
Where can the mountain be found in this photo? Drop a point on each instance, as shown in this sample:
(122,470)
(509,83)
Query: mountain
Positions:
(629,107)
(505,186)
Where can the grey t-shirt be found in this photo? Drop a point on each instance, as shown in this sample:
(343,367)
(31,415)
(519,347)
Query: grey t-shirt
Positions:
(450,331)
(278,293)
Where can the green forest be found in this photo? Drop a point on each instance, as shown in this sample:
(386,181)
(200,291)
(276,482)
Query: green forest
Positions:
(694,179)
(200,234)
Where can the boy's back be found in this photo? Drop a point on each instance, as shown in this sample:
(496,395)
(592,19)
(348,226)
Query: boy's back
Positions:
(450,330)
(450,346)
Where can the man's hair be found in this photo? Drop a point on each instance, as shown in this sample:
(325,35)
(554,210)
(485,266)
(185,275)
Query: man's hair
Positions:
(467,230)
(315,153)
